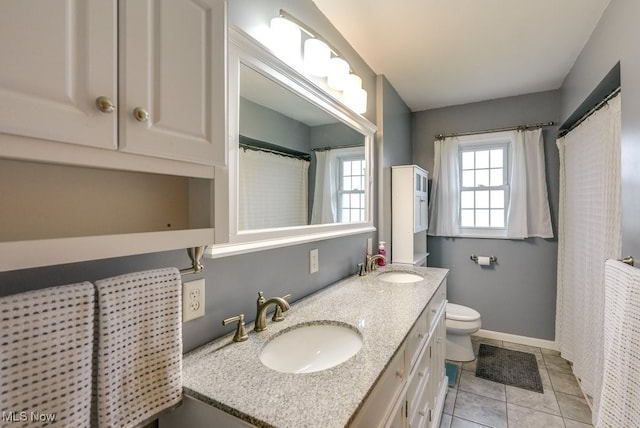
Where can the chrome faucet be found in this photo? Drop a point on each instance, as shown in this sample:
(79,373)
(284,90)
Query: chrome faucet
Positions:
(262,305)
(371,264)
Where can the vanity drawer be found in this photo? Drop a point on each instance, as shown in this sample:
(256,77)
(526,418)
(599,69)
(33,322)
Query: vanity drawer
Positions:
(379,405)
(417,392)
(436,301)
(417,337)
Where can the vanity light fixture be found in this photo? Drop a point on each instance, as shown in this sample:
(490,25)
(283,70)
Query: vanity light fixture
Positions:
(319,59)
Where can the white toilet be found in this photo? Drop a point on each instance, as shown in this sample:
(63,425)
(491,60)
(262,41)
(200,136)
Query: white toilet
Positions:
(461,322)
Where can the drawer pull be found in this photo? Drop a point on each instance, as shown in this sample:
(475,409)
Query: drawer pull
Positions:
(399,374)
(421,374)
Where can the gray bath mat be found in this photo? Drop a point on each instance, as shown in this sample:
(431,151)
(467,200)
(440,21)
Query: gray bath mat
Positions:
(510,367)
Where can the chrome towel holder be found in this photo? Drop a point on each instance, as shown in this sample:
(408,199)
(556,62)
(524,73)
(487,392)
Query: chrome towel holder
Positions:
(492,259)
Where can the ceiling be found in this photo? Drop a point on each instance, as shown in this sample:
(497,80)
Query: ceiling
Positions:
(439,53)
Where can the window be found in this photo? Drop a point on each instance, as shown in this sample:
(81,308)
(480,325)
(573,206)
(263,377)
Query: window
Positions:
(351,179)
(484,189)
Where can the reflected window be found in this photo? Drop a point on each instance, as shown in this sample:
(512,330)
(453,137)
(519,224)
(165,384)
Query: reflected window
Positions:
(351,202)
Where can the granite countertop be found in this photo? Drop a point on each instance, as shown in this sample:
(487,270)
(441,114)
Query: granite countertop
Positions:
(230,376)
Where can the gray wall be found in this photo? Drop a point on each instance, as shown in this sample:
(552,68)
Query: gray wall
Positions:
(518,295)
(394,138)
(615,39)
(270,126)
(232,283)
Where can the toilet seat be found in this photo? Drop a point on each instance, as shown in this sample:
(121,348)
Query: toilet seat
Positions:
(461,313)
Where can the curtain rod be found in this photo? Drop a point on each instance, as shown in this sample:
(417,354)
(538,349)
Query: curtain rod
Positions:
(325,148)
(262,146)
(486,131)
(590,112)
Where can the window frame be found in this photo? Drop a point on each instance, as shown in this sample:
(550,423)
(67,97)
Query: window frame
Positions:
(481,143)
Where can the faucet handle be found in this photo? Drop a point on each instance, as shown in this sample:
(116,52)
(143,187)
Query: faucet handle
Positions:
(241,333)
(362,271)
(277,315)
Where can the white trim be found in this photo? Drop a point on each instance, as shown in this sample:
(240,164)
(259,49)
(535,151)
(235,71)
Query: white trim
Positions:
(522,340)
(47,252)
(224,250)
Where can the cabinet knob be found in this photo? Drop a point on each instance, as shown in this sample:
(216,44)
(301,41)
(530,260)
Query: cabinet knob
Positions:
(105,104)
(140,114)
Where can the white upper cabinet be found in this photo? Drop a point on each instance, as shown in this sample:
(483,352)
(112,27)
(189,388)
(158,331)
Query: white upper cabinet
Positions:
(409,214)
(172,79)
(157,69)
(57,58)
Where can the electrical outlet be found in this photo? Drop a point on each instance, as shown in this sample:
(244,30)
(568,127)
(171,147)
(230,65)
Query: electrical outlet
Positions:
(369,245)
(313,261)
(192,300)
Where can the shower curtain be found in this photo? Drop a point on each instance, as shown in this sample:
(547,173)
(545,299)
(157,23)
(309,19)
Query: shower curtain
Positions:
(589,232)
(272,190)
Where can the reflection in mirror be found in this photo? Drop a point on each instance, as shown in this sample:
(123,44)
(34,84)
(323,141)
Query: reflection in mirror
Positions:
(298,164)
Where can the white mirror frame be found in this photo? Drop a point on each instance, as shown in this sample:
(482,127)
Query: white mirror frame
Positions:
(243,49)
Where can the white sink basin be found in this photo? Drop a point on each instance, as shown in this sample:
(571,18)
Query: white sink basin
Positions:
(400,277)
(308,348)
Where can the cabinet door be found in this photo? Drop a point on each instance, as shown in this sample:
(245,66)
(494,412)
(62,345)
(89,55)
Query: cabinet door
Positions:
(172,79)
(420,201)
(57,57)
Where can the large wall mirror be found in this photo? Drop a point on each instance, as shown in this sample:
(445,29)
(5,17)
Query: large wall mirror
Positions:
(300,162)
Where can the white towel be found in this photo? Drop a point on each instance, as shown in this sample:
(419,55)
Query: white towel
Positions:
(619,397)
(46,349)
(139,346)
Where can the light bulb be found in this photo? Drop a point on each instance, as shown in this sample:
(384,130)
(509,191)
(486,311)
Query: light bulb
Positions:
(338,73)
(316,57)
(285,39)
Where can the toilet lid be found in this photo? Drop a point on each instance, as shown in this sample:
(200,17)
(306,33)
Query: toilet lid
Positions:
(461,313)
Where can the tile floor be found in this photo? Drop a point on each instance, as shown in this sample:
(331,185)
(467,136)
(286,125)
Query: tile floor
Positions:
(476,402)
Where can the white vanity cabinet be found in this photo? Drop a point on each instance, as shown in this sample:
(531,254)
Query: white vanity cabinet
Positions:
(146,78)
(411,393)
(409,214)
(112,118)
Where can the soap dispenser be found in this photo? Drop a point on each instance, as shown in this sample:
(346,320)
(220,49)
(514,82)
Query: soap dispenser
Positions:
(382,252)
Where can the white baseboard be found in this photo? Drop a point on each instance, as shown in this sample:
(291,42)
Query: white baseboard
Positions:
(523,340)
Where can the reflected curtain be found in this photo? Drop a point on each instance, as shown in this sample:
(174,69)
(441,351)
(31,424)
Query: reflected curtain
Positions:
(272,190)
(589,232)
(528,213)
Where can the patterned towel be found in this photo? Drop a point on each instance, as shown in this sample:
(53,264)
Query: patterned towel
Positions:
(46,349)
(618,401)
(139,354)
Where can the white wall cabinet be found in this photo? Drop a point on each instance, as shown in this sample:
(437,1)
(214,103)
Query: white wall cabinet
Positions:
(83,180)
(158,67)
(409,214)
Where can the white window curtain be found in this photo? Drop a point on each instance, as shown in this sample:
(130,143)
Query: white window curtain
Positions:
(528,212)
(272,190)
(589,232)
(325,194)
